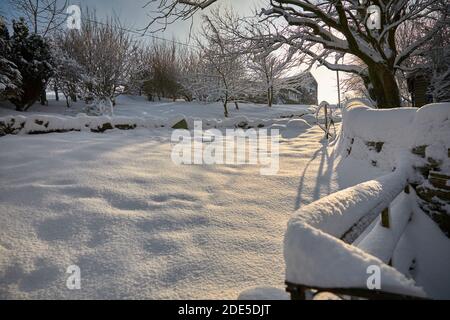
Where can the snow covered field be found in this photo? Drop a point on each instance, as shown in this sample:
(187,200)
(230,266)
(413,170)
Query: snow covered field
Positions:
(139,226)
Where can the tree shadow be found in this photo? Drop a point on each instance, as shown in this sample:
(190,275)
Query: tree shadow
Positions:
(323,179)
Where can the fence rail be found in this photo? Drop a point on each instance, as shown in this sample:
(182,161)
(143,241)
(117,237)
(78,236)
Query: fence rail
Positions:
(338,223)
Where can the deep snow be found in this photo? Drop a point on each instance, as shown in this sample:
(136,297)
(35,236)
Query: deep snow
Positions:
(137,225)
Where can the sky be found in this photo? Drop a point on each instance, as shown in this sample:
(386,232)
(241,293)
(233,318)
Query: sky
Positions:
(133,15)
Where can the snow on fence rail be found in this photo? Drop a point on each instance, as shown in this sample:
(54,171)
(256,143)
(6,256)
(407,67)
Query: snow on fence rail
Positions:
(315,259)
(340,213)
(316,246)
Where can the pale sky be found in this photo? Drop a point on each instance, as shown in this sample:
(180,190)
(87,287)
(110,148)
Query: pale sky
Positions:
(134,16)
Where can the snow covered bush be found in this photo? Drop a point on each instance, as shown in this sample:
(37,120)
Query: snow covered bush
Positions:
(69,76)
(31,54)
(10,80)
(10,77)
(108,70)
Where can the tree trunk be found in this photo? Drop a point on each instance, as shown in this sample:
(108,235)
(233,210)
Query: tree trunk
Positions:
(236,105)
(270,96)
(327,132)
(225,109)
(73,96)
(383,87)
(43,97)
(55,88)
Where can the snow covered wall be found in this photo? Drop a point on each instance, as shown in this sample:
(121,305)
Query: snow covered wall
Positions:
(382,136)
(418,137)
(40,124)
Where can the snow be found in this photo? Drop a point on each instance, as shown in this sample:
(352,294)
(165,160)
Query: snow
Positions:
(399,129)
(263,293)
(338,212)
(377,125)
(119,208)
(318,259)
(317,227)
(427,247)
(136,106)
(139,226)
(137,112)
(380,241)
(36,123)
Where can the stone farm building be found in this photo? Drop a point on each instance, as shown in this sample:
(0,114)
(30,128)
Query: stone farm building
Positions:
(299,89)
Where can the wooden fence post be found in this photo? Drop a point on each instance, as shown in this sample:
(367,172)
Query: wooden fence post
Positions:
(385,218)
(297,292)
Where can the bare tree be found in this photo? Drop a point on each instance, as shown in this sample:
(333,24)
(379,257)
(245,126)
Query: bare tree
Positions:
(163,81)
(353,86)
(220,55)
(69,75)
(439,65)
(324,29)
(273,69)
(140,70)
(44,16)
(191,74)
(105,51)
